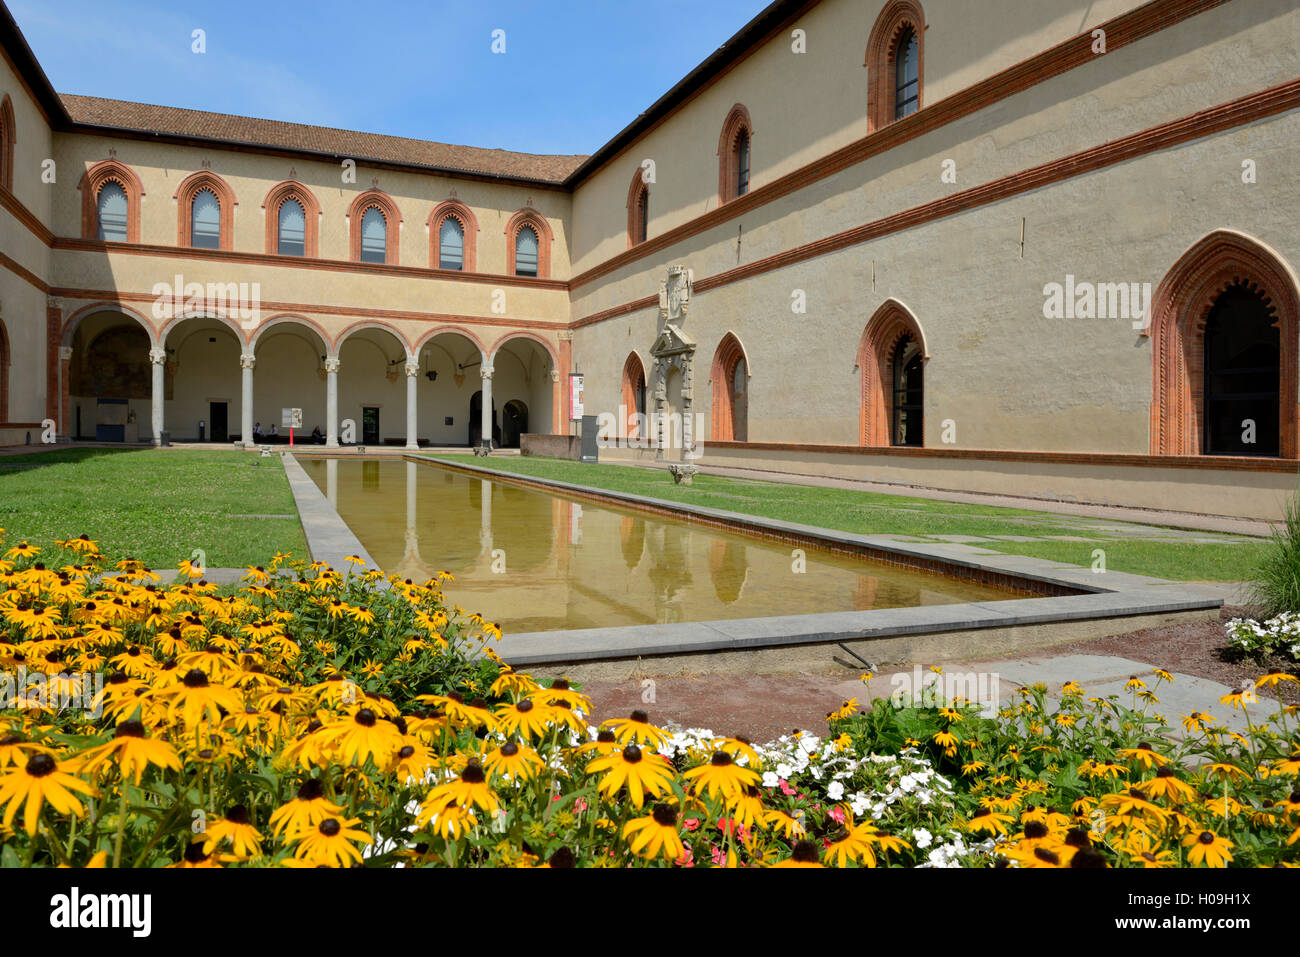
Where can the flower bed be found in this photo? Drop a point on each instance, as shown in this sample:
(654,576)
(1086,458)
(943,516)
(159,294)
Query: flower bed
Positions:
(312,717)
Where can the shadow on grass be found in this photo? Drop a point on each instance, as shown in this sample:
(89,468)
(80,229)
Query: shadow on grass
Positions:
(68,455)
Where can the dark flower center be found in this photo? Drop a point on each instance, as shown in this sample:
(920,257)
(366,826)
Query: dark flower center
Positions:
(631,754)
(473,774)
(365,717)
(1165,773)
(310,790)
(720,759)
(129,729)
(640,717)
(509,749)
(238,814)
(1206,837)
(406,752)
(560,684)
(805,852)
(195,679)
(330,827)
(563,858)
(1043,854)
(605,737)
(194,853)
(39,765)
(1035,829)
(665,816)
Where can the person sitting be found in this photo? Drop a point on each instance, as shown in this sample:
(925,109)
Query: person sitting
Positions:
(316,436)
(257,431)
(274,435)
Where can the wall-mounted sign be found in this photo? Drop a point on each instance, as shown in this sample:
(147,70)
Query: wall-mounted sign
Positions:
(291,418)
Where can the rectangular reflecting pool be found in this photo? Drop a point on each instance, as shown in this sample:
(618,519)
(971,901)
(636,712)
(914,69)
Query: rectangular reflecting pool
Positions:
(536,561)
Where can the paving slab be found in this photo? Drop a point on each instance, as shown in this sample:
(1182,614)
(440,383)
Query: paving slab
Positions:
(328,537)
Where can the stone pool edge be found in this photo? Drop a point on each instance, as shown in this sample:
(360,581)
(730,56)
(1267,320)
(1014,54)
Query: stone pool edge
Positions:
(1124,602)
(329,539)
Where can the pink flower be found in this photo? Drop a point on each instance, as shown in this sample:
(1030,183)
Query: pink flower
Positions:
(690,823)
(837,813)
(719,857)
(785,788)
(687,859)
(580,805)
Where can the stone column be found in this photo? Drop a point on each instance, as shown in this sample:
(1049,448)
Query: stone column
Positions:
(246,362)
(158,357)
(412,434)
(65,396)
(332,402)
(486,374)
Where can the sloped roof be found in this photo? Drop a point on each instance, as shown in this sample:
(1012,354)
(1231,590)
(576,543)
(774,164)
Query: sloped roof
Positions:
(173,121)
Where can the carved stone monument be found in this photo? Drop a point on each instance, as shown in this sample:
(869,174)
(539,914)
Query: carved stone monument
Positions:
(674,348)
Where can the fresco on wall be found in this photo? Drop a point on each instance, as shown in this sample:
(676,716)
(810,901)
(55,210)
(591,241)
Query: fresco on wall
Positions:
(116,365)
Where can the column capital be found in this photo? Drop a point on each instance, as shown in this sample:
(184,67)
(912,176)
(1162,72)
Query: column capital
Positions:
(53,302)
(486,371)
(332,364)
(555,375)
(412,367)
(247,360)
(157,355)
(65,353)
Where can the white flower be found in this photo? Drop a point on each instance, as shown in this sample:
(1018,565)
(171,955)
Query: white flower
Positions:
(771,779)
(922,837)
(784,771)
(836,791)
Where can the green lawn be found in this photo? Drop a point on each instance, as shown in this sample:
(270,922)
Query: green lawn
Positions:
(1142,552)
(157,506)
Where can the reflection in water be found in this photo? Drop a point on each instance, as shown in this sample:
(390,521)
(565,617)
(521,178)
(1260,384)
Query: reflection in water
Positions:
(560,564)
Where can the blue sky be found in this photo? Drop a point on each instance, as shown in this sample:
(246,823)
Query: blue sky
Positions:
(574,73)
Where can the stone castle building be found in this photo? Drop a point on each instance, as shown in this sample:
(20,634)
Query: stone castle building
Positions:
(1042,248)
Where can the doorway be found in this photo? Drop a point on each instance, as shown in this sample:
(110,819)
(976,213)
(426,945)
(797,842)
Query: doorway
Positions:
(370,425)
(217,422)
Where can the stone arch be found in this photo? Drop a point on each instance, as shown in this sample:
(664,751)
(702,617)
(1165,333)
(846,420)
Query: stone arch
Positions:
(291,319)
(70,324)
(431,334)
(1182,305)
(275,197)
(93,180)
(373,324)
(522,334)
(890,323)
(737,122)
(897,17)
(454,209)
(730,422)
(387,206)
(530,217)
(185,193)
(240,334)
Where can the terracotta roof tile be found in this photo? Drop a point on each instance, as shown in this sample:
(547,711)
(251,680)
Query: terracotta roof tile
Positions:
(96,111)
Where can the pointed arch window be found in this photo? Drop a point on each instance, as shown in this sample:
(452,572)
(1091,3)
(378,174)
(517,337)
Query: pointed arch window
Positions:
(7,136)
(907,427)
(292,229)
(735,154)
(451,244)
(526,249)
(374,236)
(205,220)
(895,62)
(907,78)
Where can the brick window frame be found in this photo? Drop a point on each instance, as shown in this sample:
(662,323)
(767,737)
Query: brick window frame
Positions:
(728,353)
(1179,313)
(638,209)
(185,194)
(275,197)
(737,121)
(894,21)
(453,209)
(880,338)
(8,137)
(529,217)
(93,180)
(376,199)
(633,370)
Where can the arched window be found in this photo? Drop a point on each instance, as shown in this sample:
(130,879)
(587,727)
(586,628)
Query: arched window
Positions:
(206,205)
(205,220)
(526,252)
(374,222)
(292,232)
(730,380)
(8,134)
(374,236)
(1224,329)
(453,232)
(906,427)
(891,361)
(907,78)
(451,244)
(735,151)
(112,206)
(528,245)
(895,62)
(1242,374)
(638,209)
